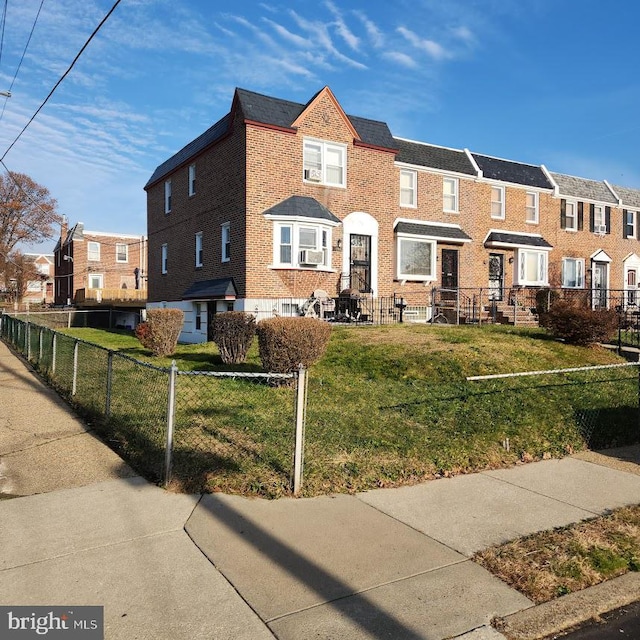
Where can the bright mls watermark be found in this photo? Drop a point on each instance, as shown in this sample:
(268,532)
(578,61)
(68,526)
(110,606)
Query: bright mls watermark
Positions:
(52,623)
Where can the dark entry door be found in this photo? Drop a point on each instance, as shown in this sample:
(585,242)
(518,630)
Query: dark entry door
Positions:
(449,268)
(360,263)
(496,276)
(212,309)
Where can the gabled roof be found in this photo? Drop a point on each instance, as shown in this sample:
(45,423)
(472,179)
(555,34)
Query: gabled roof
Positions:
(302,207)
(75,233)
(583,188)
(220,289)
(629,197)
(434,157)
(256,107)
(450,233)
(529,175)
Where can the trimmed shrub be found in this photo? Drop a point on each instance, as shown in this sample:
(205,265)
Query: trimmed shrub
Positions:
(580,325)
(233,333)
(285,343)
(160,335)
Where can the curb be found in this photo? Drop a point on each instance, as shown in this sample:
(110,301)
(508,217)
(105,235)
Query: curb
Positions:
(570,610)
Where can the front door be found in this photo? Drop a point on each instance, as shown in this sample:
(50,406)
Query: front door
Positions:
(212,309)
(600,285)
(496,276)
(360,263)
(450,269)
(632,286)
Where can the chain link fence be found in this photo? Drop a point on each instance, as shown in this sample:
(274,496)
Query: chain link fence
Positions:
(174,426)
(243,432)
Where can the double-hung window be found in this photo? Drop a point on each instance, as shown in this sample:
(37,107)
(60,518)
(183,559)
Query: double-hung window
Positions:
(531,207)
(450,195)
(225,233)
(415,258)
(199,250)
(599,219)
(95,281)
(573,273)
(532,267)
(93,251)
(164,251)
(122,253)
(167,196)
(192,179)
(325,163)
(629,224)
(497,202)
(408,182)
(571,216)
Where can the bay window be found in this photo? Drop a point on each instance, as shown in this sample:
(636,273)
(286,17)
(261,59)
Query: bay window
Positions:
(302,244)
(415,258)
(532,267)
(573,273)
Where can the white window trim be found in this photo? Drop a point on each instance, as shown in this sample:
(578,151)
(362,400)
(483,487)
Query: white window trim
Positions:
(324,146)
(192,179)
(574,204)
(100,276)
(542,267)
(296,223)
(126,252)
(199,249)
(599,209)
(412,190)
(225,239)
(579,261)
(164,255)
(634,216)
(536,208)
(411,276)
(89,258)
(501,202)
(456,184)
(167,196)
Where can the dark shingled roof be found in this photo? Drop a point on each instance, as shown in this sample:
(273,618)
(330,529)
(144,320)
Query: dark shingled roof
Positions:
(514,172)
(220,288)
(302,206)
(270,111)
(517,239)
(212,134)
(453,234)
(427,155)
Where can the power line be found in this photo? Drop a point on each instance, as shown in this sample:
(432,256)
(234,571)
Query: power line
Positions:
(22,58)
(4,22)
(64,75)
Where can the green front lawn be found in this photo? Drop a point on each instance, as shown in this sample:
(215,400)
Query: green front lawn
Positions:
(391,405)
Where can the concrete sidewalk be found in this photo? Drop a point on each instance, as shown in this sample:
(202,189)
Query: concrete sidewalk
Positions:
(392,563)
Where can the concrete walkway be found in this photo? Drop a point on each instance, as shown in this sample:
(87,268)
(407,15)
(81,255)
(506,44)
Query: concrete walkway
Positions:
(392,563)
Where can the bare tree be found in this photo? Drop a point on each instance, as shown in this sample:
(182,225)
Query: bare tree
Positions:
(19,272)
(27,215)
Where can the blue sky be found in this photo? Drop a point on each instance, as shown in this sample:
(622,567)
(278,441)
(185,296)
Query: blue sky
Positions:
(551,82)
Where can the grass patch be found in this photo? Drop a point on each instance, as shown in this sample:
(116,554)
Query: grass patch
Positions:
(387,406)
(553,563)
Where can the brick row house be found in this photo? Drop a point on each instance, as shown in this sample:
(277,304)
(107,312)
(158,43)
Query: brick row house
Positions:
(278,200)
(97,270)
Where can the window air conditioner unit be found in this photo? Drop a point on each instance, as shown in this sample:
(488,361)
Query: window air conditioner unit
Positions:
(314,175)
(309,256)
(600,228)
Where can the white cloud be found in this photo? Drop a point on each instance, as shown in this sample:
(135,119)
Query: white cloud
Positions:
(341,27)
(287,35)
(376,37)
(435,50)
(401,58)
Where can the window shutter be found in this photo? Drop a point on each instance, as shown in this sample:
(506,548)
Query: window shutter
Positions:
(580,216)
(607,218)
(592,217)
(563,214)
